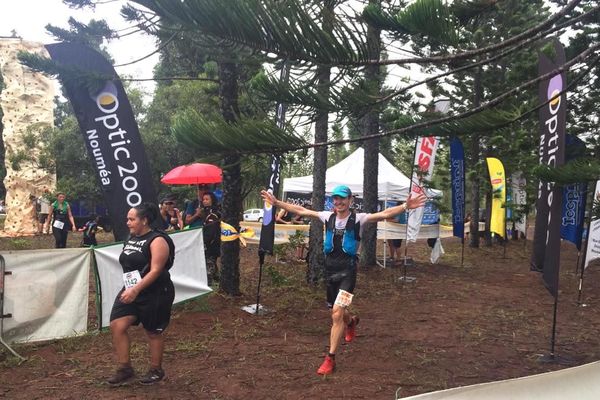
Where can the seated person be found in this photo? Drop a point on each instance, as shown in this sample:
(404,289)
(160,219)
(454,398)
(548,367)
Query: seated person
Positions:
(171,216)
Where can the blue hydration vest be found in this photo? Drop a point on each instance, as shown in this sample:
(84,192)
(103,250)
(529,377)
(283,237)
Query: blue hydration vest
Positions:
(350,240)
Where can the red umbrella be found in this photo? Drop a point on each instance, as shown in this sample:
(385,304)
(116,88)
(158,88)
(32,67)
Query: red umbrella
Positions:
(193,174)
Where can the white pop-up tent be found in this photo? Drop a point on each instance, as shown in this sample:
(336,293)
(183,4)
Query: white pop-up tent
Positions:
(391,183)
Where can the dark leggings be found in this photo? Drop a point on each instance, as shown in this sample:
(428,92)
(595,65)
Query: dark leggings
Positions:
(60,236)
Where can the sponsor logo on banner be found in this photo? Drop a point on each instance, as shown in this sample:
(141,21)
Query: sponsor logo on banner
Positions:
(574,197)
(424,160)
(457,176)
(498,219)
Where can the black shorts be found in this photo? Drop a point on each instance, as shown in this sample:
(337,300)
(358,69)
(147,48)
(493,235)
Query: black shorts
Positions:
(152,309)
(396,243)
(340,280)
(42,218)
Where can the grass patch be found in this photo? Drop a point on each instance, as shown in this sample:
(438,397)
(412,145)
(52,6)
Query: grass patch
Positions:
(13,362)
(199,304)
(19,243)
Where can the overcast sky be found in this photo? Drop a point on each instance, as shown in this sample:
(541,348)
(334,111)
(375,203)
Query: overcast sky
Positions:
(29,18)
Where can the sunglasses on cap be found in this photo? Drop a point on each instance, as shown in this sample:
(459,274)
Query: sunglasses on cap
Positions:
(169,203)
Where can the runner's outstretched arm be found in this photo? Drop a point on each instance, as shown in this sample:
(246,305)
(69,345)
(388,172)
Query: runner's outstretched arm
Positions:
(411,203)
(298,210)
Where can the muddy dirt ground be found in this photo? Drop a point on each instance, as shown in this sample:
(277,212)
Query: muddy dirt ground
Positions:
(487,320)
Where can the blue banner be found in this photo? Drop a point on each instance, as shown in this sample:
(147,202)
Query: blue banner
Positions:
(431,214)
(574,196)
(573,209)
(457,179)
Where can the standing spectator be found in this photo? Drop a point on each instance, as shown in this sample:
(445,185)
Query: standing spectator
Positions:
(44,213)
(394,246)
(89,231)
(211,234)
(62,220)
(193,211)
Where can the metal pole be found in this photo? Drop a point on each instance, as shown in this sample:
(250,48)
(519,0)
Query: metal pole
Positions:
(407,212)
(261,261)
(583,260)
(3,273)
(552,355)
(462,253)
(585,247)
(385,244)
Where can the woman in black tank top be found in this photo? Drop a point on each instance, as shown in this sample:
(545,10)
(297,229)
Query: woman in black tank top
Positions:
(147,296)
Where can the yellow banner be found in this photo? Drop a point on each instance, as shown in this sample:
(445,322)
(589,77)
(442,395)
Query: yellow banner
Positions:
(498,181)
(229,233)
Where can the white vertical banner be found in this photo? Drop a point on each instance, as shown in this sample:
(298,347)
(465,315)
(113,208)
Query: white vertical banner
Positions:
(593,239)
(46,293)
(188,272)
(519,195)
(424,161)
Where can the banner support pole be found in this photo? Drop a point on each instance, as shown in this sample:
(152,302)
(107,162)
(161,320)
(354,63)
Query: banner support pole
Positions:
(3,273)
(585,247)
(462,253)
(583,260)
(553,340)
(261,261)
(405,261)
(552,357)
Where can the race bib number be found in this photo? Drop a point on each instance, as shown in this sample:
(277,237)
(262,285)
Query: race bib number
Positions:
(343,299)
(58,224)
(131,278)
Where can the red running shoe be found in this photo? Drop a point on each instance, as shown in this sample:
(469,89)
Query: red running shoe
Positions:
(351,329)
(327,367)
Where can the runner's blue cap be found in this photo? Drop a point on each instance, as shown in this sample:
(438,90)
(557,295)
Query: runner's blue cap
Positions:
(342,191)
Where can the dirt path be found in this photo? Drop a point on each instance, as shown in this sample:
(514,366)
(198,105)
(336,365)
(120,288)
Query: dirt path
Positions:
(454,326)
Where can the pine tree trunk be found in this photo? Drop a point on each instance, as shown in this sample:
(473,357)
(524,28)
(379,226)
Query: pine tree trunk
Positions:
(474,181)
(2,149)
(488,202)
(371,147)
(474,227)
(316,258)
(232,183)
(488,219)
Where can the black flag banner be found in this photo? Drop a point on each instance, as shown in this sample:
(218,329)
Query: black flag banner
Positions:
(267,232)
(546,242)
(110,133)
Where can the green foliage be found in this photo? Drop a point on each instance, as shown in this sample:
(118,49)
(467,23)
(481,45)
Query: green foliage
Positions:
(19,243)
(580,170)
(30,152)
(297,239)
(214,134)
(276,278)
(289,29)
(430,18)
(93,82)
(93,34)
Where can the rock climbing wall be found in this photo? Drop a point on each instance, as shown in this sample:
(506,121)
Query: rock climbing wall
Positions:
(27,102)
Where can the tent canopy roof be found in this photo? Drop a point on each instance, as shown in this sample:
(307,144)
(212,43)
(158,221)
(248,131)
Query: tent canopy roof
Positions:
(391,183)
